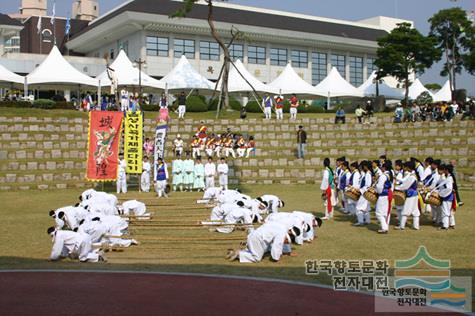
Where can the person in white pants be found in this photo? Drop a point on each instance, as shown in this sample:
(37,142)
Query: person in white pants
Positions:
(363,206)
(446,191)
(411,207)
(161,179)
(133,207)
(223,171)
(267,105)
(398,167)
(210,173)
(181,105)
(279,106)
(74,245)
(383,188)
(145,177)
(121,175)
(354,181)
(294,104)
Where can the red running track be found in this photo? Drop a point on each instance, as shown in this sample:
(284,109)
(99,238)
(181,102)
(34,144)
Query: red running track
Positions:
(98,293)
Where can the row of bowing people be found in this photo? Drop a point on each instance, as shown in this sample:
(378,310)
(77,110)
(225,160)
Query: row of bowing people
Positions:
(278,230)
(412,187)
(94,225)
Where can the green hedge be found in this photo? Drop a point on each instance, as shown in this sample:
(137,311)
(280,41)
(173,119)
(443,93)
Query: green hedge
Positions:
(196,104)
(63,105)
(150,107)
(15,104)
(233,104)
(253,107)
(44,104)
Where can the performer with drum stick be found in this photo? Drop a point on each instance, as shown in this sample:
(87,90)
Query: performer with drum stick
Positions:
(385,196)
(363,206)
(399,196)
(409,186)
(445,189)
(352,191)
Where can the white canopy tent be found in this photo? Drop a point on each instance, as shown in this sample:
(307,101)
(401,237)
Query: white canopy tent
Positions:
(289,82)
(128,75)
(236,82)
(444,94)
(334,85)
(8,77)
(368,88)
(416,89)
(55,70)
(184,77)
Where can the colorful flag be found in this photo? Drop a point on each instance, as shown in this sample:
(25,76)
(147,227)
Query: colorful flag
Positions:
(159,148)
(103,145)
(68,26)
(39,25)
(133,141)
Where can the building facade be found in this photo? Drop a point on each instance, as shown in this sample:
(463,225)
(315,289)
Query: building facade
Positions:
(9,35)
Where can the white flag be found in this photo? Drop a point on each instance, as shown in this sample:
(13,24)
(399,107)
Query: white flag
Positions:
(54,13)
(38,26)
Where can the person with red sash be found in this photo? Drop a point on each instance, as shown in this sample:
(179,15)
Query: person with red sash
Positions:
(279,106)
(201,132)
(196,147)
(294,104)
(328,189)
(385,195)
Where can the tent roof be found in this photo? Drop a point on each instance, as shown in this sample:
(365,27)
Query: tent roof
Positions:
(444,94)
(56,70)
(335,86)
(127,74)
(288,82)
(184,76)
(369,89)
(236,83)
(9,76)
(416,89)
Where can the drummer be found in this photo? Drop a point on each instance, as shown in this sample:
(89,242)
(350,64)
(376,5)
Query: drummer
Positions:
(343,183)
(353,181)
(363,206)
(430,183)
(445,188)
(411,207)
(399,172)
(385,195)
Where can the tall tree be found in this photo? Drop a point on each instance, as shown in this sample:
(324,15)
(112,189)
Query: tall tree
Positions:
(455,34)
(405,51)
(186,8)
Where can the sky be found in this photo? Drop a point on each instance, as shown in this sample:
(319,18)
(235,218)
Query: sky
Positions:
(418,11)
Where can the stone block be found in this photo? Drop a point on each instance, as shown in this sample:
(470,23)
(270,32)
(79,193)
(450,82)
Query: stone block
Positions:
(29,178)
(32,165)
(51,165)
(20,154)
(43,187)
(61,186)
(3,154)
(10,177)
(48,177)
(56,153)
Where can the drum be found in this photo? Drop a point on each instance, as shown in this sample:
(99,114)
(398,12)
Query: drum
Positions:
(371,195)
(353,193)
(324,196)
(433,199)
(399,197)
(168,189)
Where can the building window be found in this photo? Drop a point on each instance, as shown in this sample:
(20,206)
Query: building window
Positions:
(339,61)
(184,47)
(12,44)
(370,65)
(299,58)
(157,46)
(256,55)
(319,67)
(236,51)
(123,46)
(278,56)
(209,50)
(112,55)
(47,36)
(356,71)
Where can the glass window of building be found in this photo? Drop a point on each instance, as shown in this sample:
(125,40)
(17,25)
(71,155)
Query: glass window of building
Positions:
(256,55)
(339,61)
(299,58)
(236,51)
(209,50)
(370,65)
(278,56)
(184,47)
(157,46)
(356,70)
(319,67)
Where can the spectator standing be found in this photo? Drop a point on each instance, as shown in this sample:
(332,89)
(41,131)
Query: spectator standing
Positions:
(181,105)
(359,113)
(340,116)
(369,109)
(301,142)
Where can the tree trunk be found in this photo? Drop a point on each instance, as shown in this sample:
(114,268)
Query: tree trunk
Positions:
(406,95)
(225,49)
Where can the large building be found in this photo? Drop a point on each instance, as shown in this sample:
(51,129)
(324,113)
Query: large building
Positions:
(144,29)
(9,35)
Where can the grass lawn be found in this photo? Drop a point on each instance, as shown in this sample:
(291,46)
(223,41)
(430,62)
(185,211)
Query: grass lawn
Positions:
(25,245)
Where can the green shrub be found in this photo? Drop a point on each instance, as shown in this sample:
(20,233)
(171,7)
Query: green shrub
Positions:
(311,109)
(213,104)
(253,107)
(44,104)
(196,104)
(234,104)
(150,107)
(15,104)
(63,105)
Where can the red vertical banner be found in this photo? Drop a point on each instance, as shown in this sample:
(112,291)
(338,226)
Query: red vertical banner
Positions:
(103,145)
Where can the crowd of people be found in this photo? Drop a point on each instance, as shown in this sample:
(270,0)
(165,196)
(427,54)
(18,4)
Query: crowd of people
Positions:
(414,187)
(94,225)
(441,111)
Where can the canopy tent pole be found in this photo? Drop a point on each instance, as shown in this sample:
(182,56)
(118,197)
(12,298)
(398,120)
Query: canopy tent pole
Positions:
(25,89)
(99,93)
(328,101)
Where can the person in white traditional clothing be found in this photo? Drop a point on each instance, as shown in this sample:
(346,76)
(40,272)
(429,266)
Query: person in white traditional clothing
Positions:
(178,174)
(383,204)
(199,176)
(399,171)
(238,215)
(427,168)
(73,245)
(178,146)
(418,168)
(124,100)
(87,194)
(161,179)
(133,207)
(311,222)
(430,181)
(290,220)
(363,206)
(95,229)
(328,189)
(273,202)
(181,105)
(271,237)
(219,212)
(210,173)
(69,216)
(121,175)
(116,227)
(343,182)
(267,104)
(353,181)
(145,177)
(99,196)
(223,171)
(188,168)
(257,206)
(445,188)
(211,194)
(411,208)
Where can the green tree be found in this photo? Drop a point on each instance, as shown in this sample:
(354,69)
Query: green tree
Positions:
(405,51)
(433,86)
(454,34)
